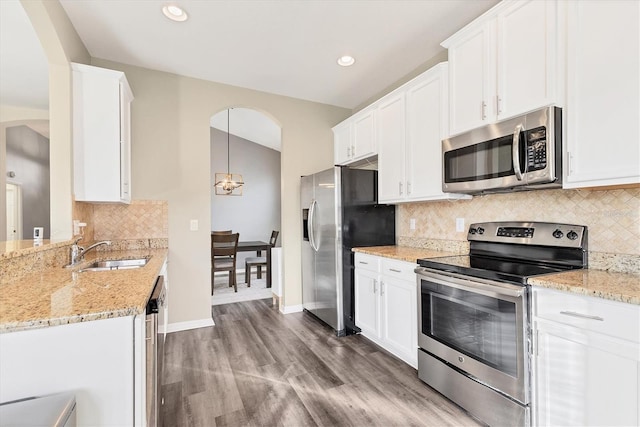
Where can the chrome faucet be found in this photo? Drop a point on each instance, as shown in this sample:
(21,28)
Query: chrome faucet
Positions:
(78,252)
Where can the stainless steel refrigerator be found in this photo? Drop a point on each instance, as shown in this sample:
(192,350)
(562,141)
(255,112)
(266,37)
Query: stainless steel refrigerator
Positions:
(339,212)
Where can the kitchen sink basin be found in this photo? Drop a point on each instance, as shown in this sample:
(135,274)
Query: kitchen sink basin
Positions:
(116,264)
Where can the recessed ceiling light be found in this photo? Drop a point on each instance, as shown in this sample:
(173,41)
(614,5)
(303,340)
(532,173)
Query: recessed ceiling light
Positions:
(346,61)
(175,13)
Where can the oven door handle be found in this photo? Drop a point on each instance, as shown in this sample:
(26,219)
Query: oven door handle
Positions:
(492,290)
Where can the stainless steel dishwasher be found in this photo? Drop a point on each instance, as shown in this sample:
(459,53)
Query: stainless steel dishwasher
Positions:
(155,351)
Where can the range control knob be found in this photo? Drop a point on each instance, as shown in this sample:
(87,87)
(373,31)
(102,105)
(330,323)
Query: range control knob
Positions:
(572,235)
(558,234)
(472,230)
(480,230)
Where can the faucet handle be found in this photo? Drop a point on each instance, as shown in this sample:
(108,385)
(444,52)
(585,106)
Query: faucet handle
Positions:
(77,240)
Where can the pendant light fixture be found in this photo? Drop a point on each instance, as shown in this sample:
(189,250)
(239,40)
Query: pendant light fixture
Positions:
(228,184)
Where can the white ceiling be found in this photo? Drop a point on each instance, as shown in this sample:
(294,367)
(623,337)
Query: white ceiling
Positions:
(251,125)
(286,47)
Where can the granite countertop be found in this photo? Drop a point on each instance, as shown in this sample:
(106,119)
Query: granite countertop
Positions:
(58,296)
(403,253)
(613,286)
(621,287)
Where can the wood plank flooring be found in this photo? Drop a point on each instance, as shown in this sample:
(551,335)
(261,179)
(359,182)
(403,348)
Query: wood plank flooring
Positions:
(258,367)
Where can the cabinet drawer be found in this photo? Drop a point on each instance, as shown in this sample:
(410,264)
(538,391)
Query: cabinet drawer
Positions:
(400,269)
(612,318)
(367,262)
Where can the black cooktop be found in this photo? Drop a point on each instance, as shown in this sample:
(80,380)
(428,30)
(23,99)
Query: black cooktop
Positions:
(515,251)
(504,270)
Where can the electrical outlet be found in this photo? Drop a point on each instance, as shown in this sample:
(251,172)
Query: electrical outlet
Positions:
(412,224)
(459,225)
(193,225)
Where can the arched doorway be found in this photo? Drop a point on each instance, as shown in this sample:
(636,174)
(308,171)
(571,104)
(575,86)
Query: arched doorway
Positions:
(245,144)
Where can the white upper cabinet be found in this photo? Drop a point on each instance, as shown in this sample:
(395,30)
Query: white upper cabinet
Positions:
(101,134)
(471,78)
(503,64)
(603,82)
(355,138)
(391,148)
(412,122)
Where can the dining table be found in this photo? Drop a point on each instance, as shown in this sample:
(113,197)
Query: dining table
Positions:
(258,246)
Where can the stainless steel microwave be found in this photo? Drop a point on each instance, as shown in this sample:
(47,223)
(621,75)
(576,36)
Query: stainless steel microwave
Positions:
(522,153)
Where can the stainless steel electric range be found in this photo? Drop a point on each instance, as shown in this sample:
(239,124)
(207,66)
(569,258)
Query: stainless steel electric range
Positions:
(473,322)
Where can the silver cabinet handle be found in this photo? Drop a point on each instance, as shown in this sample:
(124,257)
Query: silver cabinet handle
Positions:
(353,151)
(582,316)
(515,151)
(498,103)
(395,270)
(408,187)
(381,288)
(484,110)
(348,152)
(362,262)
(400,186)
(375,283)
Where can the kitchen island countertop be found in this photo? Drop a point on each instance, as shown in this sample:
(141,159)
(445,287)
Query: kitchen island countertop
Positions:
(403,253)
(613,286)
(58,296)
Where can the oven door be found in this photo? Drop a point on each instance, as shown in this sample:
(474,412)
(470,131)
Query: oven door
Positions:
(479,327)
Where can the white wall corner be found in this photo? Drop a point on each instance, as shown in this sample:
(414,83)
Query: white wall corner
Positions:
(192,324)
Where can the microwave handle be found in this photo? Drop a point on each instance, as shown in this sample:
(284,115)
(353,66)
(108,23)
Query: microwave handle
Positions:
(515,151)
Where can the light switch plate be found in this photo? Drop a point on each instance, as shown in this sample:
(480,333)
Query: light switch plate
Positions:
(193,225)
(412,224)
(459,225)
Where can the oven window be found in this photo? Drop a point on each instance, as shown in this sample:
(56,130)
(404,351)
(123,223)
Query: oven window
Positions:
(479,326)
(485,160)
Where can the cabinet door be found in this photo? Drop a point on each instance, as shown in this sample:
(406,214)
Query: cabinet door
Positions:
(125,145)
(472,79)
(526,43)
(364,137)
(366,302)
(584,378)
(398,330)
(391,147)
(342,143)
(426,117)
(603,106)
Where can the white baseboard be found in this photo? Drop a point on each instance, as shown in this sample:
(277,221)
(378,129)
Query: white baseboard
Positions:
(191,324)
(288,309)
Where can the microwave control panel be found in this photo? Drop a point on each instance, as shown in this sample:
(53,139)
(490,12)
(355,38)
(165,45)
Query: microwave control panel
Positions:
(536,148)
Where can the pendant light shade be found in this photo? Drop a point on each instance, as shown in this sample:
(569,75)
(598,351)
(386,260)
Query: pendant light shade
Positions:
(228,184)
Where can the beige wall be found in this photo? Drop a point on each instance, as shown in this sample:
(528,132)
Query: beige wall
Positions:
(61,45)
(170,161)
(613,216)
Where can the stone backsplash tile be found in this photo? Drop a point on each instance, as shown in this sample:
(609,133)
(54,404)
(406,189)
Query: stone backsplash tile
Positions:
(613,216)
(142,219)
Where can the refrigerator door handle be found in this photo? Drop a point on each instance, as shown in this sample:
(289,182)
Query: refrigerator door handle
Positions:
(310,224)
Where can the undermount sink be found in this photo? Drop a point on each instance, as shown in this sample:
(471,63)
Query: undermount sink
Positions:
(116,264)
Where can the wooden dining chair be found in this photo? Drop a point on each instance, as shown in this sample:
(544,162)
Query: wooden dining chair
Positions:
(216,232)
(224,251)
(259,261)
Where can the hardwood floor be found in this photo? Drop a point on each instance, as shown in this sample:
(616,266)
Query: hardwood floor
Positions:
(258,367)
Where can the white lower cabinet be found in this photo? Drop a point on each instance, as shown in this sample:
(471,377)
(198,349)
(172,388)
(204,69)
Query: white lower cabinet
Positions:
(386,305)
(101,361)
(586,361)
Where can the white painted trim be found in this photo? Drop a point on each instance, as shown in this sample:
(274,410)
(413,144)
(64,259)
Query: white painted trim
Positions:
(288,309)
(192,324)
